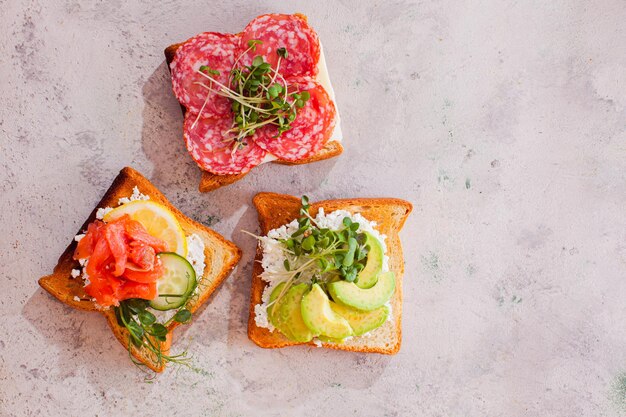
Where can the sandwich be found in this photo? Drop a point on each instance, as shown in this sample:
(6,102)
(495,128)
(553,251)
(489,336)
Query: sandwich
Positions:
(143,265)
(262,95)
(328,274)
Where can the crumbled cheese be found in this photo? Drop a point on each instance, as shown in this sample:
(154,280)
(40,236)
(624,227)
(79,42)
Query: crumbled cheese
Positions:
(102,211)
(390,316)
(76,298)
(195,254)
(75,273)
(274,254)
(78,237)
(85,276)
(260,314)
(82,262)
(136,195)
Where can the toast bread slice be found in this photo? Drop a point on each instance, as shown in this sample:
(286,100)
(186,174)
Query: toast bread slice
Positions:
(221,256)
(389,213)
(210,181)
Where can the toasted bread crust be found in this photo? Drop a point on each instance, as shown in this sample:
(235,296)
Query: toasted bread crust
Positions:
(210,181)
(389,213)
(221,257)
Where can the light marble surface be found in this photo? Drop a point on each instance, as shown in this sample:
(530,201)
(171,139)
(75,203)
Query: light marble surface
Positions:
(503,122)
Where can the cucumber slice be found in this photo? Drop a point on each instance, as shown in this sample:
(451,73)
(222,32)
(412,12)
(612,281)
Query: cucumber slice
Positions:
(177,283)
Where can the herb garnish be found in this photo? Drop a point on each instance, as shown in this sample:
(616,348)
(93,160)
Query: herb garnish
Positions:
(321,255)
(259,96)
(145,332)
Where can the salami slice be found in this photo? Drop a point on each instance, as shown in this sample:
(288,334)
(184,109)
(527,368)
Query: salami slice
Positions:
(283,31)
(205,142)
(313,126)
(215,50)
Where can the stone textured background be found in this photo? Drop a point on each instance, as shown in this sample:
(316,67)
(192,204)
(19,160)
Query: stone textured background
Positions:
(503,122)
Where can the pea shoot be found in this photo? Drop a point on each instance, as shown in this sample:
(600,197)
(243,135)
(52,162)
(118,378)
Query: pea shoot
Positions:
(259,96)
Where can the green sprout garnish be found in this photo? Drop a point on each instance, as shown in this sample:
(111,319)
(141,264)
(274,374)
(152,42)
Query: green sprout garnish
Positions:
(259,96)
(208,70)
(144,332)
(314,254)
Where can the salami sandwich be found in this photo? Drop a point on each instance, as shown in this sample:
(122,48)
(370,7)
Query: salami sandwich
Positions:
(261,95)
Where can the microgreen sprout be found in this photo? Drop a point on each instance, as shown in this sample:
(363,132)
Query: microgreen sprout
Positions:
(316,254)
(259,96)
(208,70)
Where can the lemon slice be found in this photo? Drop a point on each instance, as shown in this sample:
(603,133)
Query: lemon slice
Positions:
(158,221)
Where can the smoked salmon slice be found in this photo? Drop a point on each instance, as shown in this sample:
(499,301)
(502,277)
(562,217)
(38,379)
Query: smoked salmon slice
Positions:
(122,261)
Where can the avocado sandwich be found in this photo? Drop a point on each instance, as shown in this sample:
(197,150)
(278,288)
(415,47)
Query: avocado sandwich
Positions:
(328,274)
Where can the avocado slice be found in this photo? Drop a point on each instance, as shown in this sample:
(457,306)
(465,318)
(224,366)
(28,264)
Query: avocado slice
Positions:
(319,316)
(327,339)
(273,296)
(348,294)
(369,275)
(362,321)
(285,314)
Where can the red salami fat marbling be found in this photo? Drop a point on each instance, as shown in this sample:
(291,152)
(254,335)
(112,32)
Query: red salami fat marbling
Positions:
(283,31)
(313,126)
(215,50)
(205,142)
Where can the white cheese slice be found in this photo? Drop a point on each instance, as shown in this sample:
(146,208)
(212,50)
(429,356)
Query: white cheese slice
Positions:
(324,79)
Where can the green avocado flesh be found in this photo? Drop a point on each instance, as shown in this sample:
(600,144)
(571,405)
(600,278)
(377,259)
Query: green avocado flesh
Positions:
(327,339)
(349,294)
(285,314)
(369,275)
(320,317)
(273,296)
(362,321)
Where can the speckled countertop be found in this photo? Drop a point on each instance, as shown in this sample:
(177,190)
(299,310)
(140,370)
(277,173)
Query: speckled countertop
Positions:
(503,122)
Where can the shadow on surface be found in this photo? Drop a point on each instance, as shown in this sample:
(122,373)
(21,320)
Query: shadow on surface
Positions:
(82,339)
(161,134)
